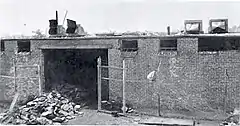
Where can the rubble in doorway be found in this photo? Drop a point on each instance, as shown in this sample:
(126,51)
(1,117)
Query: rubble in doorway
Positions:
(113,105)
(48,109)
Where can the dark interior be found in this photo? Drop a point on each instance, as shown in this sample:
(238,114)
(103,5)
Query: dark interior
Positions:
(218,43)
(76,67)
(168,44)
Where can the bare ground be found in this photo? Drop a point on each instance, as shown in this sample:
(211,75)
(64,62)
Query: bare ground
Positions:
(92,117)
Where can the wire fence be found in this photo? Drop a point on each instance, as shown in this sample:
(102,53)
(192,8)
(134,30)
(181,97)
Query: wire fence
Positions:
(22,79)
(184,87)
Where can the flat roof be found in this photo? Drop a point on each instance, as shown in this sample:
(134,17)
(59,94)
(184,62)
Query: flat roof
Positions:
(128,37)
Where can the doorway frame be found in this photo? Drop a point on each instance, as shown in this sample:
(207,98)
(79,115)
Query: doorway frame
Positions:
(78,47)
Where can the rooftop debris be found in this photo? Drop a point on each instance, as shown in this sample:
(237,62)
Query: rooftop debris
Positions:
(47,109)
(136,33)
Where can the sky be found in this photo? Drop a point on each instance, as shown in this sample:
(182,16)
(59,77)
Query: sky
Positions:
(25,16)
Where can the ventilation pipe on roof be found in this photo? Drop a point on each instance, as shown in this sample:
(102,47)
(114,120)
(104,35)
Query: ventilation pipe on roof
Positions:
(168,30)
(57,16)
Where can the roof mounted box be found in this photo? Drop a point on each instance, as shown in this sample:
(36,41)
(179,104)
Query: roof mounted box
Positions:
(193,26)
(218,26)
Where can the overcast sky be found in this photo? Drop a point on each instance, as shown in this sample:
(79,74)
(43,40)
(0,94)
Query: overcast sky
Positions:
(24,16)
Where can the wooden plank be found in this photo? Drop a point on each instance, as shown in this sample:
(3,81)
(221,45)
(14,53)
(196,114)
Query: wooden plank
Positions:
(14,102)
(111,112)
(99,83)
(167,121)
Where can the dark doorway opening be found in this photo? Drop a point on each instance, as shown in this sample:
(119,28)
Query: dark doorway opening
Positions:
(74,72)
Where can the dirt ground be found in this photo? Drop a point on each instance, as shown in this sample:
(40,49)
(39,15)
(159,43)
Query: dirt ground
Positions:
(92,117)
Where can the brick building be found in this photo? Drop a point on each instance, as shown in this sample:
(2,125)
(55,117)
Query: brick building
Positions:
(196,71)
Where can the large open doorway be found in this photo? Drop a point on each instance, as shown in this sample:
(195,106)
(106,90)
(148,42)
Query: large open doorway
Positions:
(73,72)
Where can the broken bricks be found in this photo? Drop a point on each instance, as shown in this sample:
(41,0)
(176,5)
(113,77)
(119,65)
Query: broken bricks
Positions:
(47,109)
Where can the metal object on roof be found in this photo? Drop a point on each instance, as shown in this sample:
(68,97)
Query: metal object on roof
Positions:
(193,26)
(217,26)
(53,27)
(72,26)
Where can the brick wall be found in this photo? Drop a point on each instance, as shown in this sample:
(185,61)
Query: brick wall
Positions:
(194,80)
(36,56)
(187,78)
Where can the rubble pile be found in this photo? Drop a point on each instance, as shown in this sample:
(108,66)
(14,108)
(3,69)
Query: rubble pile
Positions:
(71,92)
(47,109)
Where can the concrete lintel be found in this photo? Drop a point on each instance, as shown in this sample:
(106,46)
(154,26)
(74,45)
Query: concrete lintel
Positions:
(99,46)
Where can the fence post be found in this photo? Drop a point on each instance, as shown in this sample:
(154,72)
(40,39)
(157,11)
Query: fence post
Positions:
(15,75)
(39,80)
(124,82)
(99,82)
(159,105)
(225,92)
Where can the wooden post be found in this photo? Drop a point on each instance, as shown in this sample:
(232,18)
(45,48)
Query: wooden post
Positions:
(239,117)
(39,80)
(15,75)
(14,102)
(225,91)
(159,104)
(99,82)
(124,82)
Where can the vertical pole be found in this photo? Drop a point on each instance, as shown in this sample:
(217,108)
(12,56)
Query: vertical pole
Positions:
(57,16)
(238,113)
(168,30)
(225,91)
(15,75)
(124,82)
(39,80)
(99,82)
(159,110)
(40,73)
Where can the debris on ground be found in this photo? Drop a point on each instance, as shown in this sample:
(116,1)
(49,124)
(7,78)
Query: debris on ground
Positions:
(113,105)
(48,109)
(72,92)
(233,119)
